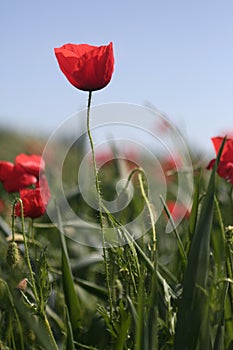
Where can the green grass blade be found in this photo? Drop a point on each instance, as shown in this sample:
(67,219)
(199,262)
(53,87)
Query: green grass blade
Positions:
(139,334)
(92,288)
(132,310)
(71,297)
(178,239)
(219,339)
(149,265)
(69,338)
(194,211)
(152,320)
(193,307)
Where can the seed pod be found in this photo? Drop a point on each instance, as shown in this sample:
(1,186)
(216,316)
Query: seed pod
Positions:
(13,255)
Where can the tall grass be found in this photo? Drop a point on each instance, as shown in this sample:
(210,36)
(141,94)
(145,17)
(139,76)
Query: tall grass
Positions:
(163,290)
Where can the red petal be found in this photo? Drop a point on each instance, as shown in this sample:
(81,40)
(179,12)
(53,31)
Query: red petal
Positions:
(33,163)
(6,169)
(86,67)
(211,164)
(227,153)
(33,205)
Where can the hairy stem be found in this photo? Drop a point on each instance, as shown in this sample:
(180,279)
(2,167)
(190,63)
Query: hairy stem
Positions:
(99,199)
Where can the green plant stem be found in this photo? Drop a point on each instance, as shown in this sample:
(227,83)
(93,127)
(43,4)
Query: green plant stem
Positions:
(144,195)
(47,326)
(152,218)
(13,222)
(16,315)
(32,282)
(230,197)
(229,265)
(99,199)
(179,241)
(19,200)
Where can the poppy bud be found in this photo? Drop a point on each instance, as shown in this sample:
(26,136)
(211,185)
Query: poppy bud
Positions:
(13,255)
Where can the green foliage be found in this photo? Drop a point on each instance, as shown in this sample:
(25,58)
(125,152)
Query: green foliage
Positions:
(177,297)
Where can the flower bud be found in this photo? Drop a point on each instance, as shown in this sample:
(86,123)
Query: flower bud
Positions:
(13,255)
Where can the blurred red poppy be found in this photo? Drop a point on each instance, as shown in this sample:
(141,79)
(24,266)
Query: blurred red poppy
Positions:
(24,173)
(225,166)
(14,177)
(87,67)
(2,206)
(178,211)
(32,164)
(35,201)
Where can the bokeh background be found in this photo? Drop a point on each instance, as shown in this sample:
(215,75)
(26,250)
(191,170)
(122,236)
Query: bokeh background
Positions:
(174,55)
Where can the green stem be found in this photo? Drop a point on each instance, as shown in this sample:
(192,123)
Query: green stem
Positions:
(152,218)
(47,326)
(32,282)
(19,200)
(16,315)
(179,241)
(13,222)
(148,204)
(99,198)
(228,256)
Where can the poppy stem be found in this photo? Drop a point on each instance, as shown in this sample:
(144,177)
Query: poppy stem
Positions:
(99,199)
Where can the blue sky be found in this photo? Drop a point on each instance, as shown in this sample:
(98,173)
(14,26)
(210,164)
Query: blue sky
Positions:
(176,55)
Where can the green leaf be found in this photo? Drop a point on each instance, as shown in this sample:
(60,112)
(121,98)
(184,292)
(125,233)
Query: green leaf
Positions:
(194,211)
(177,236)
(193,308)
(152,319)
(140,319)
(71,297)
(69,338)
(219,339)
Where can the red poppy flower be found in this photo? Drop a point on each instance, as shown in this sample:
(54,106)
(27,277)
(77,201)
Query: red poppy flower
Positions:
(32,164)
(35,201)
(225,166)
(24,173)
(42,184)
(86,67)
(14,177)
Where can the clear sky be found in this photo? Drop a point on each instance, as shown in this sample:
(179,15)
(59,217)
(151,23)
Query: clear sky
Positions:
(175,54)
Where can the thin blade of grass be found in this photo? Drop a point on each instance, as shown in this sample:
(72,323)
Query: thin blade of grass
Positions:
(139,331)
(194,210)
(149,265)
(71,298)
(179,242)
(133,311)
(152,324)
(69,337)
(219,339)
